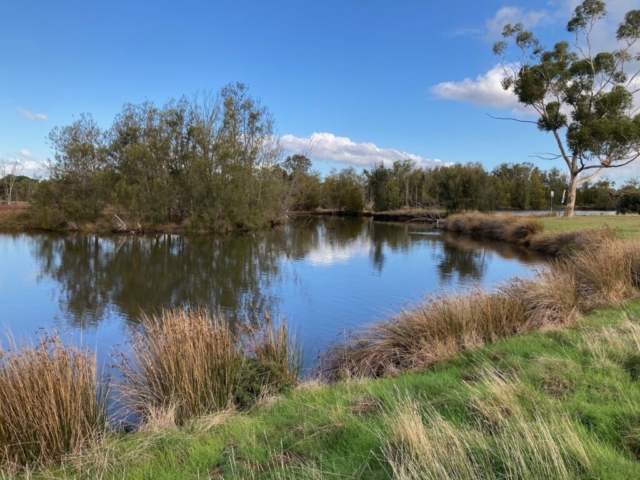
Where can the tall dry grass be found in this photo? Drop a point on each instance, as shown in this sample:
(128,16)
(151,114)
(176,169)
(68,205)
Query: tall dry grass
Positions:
(192,363)
(556,243)
(524,230)
(598,271)
(433,331)
(420,443)
(504,228)
(52,402)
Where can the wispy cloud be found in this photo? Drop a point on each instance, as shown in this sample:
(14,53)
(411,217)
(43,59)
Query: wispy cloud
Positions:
(30,166)
(327,146)
(513,15)
(31,116)
(465,32)
(24,153)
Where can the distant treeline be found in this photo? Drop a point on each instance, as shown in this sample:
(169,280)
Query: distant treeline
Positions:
(213,162)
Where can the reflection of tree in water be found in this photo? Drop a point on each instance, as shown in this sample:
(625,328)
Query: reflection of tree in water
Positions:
(134,274)
(466,256)
(469,265)
(395,237)
(129,275)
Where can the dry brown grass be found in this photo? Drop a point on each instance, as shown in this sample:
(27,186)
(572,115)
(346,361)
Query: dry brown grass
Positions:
(435,330)
(422,444)
(556,243)
(191,363)
(51,402)
(185,361)
(504,228)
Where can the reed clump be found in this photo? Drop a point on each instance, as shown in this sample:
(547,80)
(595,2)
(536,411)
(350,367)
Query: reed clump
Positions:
(433,331)
(191,362)
(52,402)
(504,228)
(597,271)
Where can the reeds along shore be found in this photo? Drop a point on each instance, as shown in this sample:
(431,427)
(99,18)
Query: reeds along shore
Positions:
(595,270)
(184,364)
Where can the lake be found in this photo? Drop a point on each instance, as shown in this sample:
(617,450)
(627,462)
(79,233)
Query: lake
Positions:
(326,275)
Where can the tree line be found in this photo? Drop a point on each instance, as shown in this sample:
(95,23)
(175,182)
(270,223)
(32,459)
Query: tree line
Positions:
(213,162)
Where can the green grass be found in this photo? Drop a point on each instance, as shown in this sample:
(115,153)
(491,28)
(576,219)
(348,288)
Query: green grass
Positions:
(575,391)
(624,226)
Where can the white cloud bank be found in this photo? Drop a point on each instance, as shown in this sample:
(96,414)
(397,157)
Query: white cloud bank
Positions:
(327,146)
(31,116)
(30,166)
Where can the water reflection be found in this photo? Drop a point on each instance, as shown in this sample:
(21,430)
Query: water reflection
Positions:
(106,277)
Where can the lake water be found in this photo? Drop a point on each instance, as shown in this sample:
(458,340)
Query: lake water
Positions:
(326,275)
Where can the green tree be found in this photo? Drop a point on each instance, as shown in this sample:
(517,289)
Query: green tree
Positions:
(344,190)
(586,97)
(383,188)
(303,186)
(463,187)
(79,171)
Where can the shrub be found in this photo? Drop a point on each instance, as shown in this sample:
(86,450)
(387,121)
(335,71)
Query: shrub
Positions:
(629,203)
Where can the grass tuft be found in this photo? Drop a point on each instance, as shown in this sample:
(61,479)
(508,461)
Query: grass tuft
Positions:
(190,363)
(422,444)
(504,228)
(51,402)
(432,332)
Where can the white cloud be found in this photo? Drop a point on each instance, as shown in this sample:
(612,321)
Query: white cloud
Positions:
(31,116)
(513,15)
(25,154)
(327,146)
(485,90)
(30,166)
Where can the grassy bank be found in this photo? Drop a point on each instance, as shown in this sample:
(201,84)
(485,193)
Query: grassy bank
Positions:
(553,404)
(624,226)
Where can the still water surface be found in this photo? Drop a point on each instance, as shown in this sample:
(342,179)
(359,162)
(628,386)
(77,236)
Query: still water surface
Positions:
(326,275)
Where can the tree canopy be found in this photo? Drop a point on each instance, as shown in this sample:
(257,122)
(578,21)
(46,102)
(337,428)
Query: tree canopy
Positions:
(584,98)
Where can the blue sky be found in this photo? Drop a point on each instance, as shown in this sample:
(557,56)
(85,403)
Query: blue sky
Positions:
(372,79)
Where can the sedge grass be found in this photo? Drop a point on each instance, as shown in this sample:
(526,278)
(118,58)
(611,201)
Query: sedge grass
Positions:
(52,402)
(188,363)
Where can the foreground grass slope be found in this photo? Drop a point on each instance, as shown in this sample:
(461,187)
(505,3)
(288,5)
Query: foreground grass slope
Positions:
(553,404)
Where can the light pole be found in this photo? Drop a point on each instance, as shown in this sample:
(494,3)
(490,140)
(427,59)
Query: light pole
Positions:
(552,194)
